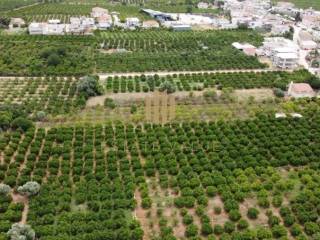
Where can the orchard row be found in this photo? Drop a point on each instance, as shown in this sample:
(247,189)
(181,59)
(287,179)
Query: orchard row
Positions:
(194,82)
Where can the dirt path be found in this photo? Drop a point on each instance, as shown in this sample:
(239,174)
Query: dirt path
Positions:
(142,216)
(17,198)
(22,7)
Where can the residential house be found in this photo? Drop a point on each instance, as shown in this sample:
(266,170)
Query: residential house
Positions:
(300,90)
(305,41)
(180,27)
(37,28)
(246,48)
(16,23)
(55,29)
(104,22)
(286,60)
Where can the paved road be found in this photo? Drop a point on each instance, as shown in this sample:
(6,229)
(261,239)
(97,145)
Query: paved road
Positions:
(105,75)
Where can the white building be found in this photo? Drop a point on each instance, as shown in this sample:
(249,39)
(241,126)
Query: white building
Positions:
(286,60)
(104,22)
(300,90)
(16,23)
(81,25)
(278,29)
(180,27)
(133,22)
(274,45)
(54,21)
(55,29)
(37,28)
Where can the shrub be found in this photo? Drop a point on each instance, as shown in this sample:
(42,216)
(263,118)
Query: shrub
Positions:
(234,215)
(146,203)
(187,219)
(29,189)
(109,103)
(211,191)
(242,224)
(229,227)
(296,230)
(278,92)
(167,86)
(206,229)
(4,189)
(217,210)
(210,95)
(191,230)
(20,231)
(89,86)
(218,229)
(264,233)
(40,115)
(279,231)
(311,228)
(133,109)
(253,213)
(21,123)
(314,82)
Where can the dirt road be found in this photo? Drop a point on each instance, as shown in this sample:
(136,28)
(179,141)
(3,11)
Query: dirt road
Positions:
(106,75)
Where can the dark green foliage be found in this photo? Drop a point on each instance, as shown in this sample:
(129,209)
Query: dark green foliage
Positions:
(21,123)
(109,103)
(253,213)
(314,82)
(191,230)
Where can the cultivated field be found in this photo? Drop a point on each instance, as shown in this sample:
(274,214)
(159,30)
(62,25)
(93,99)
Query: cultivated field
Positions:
(243,178)
(306,3)
(157,50)
(64,11)
(52,95)
(198,82)
(6,5)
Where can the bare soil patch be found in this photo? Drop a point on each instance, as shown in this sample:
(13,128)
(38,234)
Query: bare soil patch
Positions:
(145,220)
(262,219)
(217,218)
(258,94)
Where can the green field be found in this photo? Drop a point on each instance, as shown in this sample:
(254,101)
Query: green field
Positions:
(6,5)
(306,3)
(227,179)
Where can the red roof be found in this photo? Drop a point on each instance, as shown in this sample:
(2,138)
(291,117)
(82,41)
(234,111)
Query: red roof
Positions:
(301,88)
